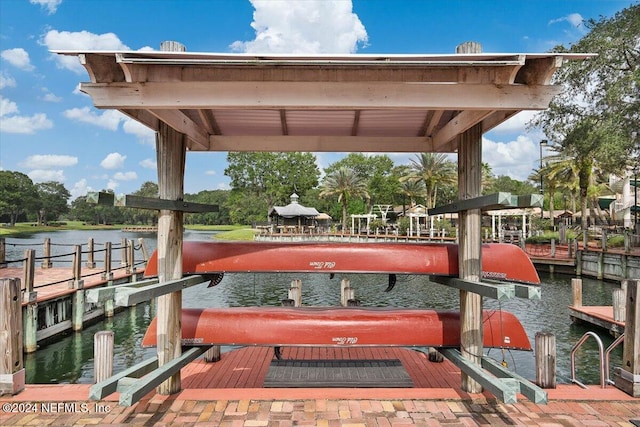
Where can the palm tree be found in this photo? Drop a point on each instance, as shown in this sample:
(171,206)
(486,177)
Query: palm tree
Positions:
(345,183)
(432,169)
(412,189)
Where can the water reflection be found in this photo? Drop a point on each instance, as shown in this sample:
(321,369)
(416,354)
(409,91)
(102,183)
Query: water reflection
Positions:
(71,359)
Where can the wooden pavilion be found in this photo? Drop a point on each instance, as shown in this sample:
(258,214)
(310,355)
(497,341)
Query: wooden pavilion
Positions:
(318,103)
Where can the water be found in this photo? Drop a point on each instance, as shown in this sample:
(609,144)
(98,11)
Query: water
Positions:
(70,360)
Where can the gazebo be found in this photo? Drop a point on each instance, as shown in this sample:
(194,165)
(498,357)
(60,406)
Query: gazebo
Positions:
(319,103)
(293,214)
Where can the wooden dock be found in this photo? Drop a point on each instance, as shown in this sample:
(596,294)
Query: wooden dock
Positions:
(598,315)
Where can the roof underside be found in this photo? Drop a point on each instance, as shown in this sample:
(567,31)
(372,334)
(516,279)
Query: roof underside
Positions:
(348,103)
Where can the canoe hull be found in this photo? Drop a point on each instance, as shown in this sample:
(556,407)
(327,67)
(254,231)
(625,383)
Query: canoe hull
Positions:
(499,261)
(338,326)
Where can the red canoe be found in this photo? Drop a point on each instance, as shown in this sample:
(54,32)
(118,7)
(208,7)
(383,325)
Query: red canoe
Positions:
(338,326)
(499,261)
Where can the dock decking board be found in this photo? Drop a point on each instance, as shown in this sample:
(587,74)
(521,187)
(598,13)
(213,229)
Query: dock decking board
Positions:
(247,367)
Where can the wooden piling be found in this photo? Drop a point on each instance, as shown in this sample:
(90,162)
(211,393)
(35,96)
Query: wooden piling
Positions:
(29,270)
(627,377)
(12,376)
(46,258)
(545,345)
(103,346)
(123,252)
(346,292)
(3,253)
(295,292)
(90,254)
(619,305)
(213,354)
(131,264)
(576,288)
(143,247)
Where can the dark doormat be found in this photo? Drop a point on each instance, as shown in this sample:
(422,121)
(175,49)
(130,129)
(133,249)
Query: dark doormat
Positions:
(337,373)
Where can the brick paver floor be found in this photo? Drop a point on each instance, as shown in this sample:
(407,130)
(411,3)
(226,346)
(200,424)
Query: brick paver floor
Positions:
(171,411)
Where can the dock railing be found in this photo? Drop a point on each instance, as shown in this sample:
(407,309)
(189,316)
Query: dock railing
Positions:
(77,258)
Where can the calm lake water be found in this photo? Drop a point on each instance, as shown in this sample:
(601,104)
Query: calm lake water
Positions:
(70,359)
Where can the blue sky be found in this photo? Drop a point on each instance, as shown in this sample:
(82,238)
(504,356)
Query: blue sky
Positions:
(51,131)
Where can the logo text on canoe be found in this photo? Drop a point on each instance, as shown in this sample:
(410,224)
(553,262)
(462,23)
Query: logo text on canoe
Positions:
(322,265)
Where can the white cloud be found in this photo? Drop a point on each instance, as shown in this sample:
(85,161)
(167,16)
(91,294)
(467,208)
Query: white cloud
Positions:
(17,57)
(312,26)
(40,175)
(149,164)
(125,176)
(25,124)
(7,107)
(516,158)
(6,80)
(50,97)
(145,135)
(49,161)
(211,173)
(112,185)
(516,124)
(109,119)
(78,41)
(574,19)
(50,5)
(80,188)
(113,161)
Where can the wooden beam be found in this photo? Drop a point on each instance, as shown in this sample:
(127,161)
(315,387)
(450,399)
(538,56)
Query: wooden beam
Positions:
(318,95)
(488,202)
(458,125)
(183,124)
(505,389)
(497,291)
(97,295)
(531,292)
(127,296)
(141,387)
(101,198)
(527,201)
(129,201)
(527,388)
(104,388)
(314,143)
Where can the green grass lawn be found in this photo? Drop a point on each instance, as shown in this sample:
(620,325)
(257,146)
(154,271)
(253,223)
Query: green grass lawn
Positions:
(227,232)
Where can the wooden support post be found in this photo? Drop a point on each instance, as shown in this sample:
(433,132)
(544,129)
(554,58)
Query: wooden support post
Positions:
(171,155)
(346,292)
(619,305)
(30,325)
(90,254)
(29,270)
(12,377)
(102,355)
(470,246)
(77,310)
(131,264)
(545,359)
(576,288)
(143,247)
(3,253)
(108,253)
(123,252)
(295,292)
(627,378)
(213,354)
(109,310)
(46,259)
